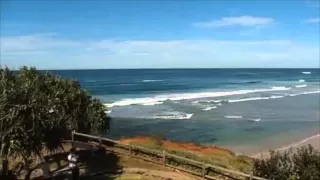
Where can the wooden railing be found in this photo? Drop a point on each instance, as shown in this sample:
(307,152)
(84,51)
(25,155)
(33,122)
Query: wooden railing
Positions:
(164,158)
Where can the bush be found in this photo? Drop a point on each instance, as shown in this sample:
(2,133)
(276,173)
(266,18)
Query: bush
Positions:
(158,139)
(302,165)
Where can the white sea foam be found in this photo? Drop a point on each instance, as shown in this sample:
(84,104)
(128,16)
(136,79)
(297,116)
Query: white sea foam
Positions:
(280,88)
(209,108)
(160,99)
(152,80)
(171,116)
(248,99)
(302,81)
(136,101)
(186,96)
(306,72)
(152,103)
(233,117)
(255,120)
(301,86)
(108,112)
(304,93)
(254,99)
(276,97)
(211,101)
(311,92)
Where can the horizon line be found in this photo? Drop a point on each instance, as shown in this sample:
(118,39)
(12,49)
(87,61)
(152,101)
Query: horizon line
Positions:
(172,68)
(160,68)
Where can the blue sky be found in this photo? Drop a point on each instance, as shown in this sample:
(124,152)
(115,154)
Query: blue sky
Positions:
(160,34)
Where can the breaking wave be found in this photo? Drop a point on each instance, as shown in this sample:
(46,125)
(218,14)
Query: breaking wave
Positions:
(152,80)
(170,115)
(276,97)
(108,112)
(271,97)
(304,93)
(255,120)
(301,86)
(152,103)
(209,108)
(187,96)
(233,117)
(280,88)
(306,72)
(248,99)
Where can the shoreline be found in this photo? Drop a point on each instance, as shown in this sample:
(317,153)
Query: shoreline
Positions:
(312,140)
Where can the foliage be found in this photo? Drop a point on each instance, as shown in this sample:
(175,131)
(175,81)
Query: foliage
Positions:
(158,138)
(39,110)
(302,165)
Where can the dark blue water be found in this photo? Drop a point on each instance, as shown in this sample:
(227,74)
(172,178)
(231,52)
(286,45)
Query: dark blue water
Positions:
(243,109)
(124,82)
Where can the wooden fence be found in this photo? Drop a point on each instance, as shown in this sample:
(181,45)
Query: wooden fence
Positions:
(162,157)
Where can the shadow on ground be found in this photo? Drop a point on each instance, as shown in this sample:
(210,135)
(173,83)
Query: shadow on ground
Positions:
(98,164)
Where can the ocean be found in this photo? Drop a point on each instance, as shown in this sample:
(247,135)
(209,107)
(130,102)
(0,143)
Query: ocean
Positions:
(245,110)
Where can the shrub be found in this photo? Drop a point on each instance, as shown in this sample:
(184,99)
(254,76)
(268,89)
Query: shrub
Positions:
(302,165)
(157,139)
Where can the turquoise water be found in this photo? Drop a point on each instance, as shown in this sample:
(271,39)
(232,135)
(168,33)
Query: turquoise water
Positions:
(247,110)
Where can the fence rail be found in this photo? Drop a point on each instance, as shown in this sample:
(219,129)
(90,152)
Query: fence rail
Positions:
(164,158)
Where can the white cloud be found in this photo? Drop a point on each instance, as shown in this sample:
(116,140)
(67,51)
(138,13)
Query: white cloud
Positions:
(34,42)
(51,52)
(246,21)
(313,20)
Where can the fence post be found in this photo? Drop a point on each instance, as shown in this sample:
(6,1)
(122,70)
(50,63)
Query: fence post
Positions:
(100,142)
(251,174)
(72,136)
(164,157)
(203,170)
(130,149)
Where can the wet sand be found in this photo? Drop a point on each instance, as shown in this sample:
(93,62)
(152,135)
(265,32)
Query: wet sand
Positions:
(313,140)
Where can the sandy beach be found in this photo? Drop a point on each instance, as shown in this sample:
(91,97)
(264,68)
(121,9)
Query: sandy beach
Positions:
(313,140)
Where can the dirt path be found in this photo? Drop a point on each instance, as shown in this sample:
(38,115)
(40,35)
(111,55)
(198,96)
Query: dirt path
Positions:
(157,175)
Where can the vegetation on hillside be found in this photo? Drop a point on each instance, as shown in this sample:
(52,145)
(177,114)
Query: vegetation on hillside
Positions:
(39,110)
(302,165)
(211,155)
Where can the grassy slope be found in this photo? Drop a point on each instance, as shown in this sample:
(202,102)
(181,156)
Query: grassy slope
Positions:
(212,155)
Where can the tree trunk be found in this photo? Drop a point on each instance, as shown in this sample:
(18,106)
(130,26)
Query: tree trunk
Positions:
(27,177)
(5,166)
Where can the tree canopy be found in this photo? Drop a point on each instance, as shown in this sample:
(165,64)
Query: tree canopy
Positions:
(39,110)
